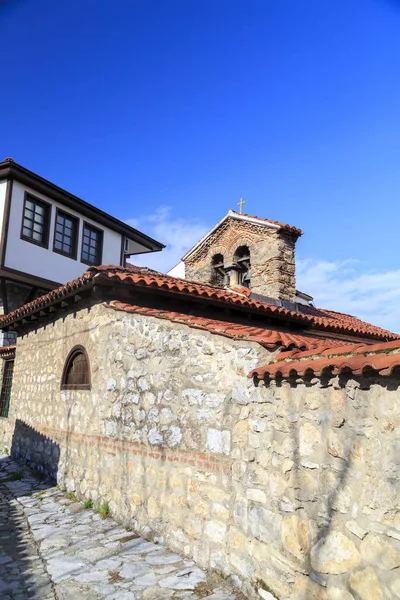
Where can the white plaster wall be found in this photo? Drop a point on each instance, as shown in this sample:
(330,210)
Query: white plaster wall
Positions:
(3,189)
(41,262)
(178,270)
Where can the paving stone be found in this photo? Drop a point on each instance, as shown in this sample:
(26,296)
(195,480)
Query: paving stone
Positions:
(62,567)
(81,556)
(188,579)
(163,558)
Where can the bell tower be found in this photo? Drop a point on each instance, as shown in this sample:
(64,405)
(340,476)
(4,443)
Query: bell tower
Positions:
(247,252)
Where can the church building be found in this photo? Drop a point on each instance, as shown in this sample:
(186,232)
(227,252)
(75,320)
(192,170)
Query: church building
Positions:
(218,410)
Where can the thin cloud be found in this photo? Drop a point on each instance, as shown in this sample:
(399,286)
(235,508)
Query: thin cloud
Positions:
(177,234)
(349,287)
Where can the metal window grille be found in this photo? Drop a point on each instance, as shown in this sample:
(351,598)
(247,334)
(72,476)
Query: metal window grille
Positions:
(6,388)
(65,234)
(35,221)
(91,245)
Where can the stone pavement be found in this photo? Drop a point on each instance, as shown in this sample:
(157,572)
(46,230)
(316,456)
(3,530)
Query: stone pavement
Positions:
(52,548)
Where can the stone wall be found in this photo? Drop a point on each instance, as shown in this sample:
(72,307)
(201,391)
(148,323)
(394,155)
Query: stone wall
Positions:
(272,257)
(293,488)
(323,488)
(158,433)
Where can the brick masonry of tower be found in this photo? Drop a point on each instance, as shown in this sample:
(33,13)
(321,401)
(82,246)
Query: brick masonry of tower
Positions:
(272,254)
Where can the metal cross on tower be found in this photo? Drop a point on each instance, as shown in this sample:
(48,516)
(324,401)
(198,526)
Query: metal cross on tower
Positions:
(240,204)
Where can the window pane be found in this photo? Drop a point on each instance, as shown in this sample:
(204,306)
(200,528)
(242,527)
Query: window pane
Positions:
(91,245)
(34,221)
(65,233)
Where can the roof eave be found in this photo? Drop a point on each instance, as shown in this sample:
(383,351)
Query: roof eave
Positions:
(12,170)
(233,215)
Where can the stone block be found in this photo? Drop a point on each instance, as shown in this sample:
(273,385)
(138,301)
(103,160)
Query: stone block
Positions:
(240,394)
(240,433)
(219,441)
(306,589)
(356,529)
(365,585)
(295,536)
(336,447)
(376,551)
(256,495)
(335,593)
(264,524)
(215,531)
(334,553)
(155,437)
(309,439)
(237,539)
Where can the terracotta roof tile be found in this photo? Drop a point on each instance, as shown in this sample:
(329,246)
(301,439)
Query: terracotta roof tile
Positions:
(269,338)
(68,289)
(7,351)
(336,322)
(355,358)
(317,318)
(141,277)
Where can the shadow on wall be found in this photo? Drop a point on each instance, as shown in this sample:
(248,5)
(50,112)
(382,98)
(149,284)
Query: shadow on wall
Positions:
(39,452)
(341,475)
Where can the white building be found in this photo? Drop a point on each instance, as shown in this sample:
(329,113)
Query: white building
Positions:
(49,237)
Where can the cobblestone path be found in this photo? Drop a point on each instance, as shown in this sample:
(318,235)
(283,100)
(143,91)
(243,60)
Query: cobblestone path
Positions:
(51,547)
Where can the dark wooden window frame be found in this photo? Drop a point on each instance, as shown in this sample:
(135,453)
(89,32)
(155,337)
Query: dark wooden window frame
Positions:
(74,253)
(6,386)
(46,225)
(101,241)
(76,350)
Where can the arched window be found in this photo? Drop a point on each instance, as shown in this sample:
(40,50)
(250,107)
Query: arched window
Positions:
(242,259)
(217,270)
(76,373)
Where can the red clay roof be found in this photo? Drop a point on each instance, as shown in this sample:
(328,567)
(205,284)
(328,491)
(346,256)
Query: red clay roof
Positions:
(354,358)
(269,338)
(335,321)
(141,277)
(7,351)
(318,318)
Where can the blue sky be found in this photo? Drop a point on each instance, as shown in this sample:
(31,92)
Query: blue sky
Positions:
(166,112)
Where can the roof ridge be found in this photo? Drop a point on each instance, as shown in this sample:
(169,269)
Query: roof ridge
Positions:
(282,225)
(145,277)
